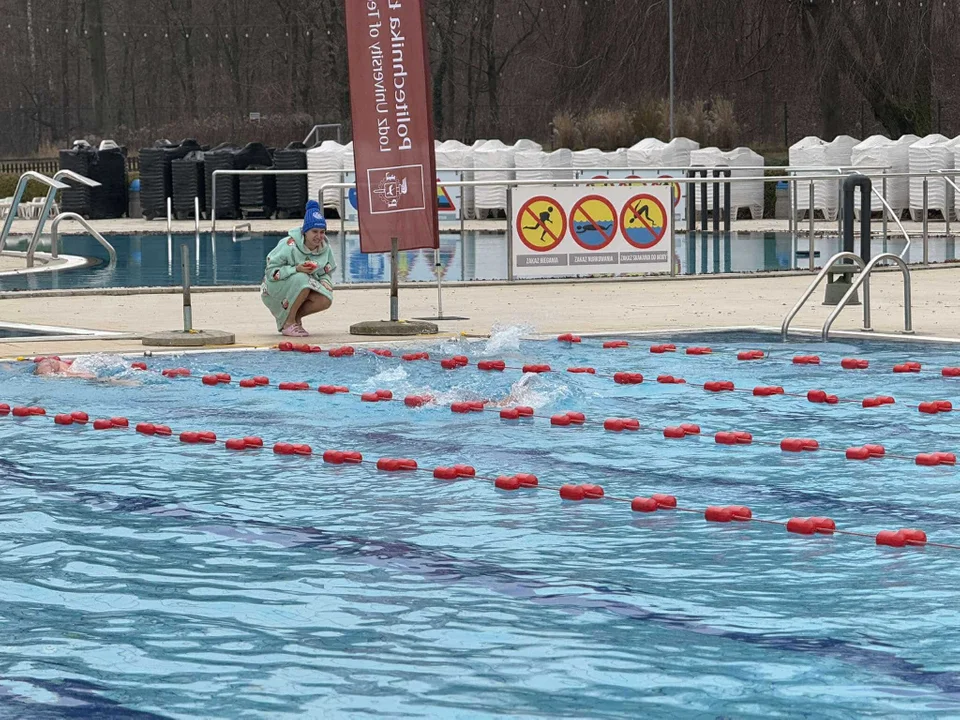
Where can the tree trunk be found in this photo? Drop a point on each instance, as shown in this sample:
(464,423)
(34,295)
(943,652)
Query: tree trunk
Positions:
(97,47)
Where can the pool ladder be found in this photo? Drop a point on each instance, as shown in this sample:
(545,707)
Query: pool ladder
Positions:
(53,184)
(836,265)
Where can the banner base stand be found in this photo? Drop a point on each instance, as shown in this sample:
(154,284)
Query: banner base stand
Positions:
(385,328)
(443,317)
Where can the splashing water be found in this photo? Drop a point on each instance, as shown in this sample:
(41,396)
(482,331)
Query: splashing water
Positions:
(505,339)
(102,366)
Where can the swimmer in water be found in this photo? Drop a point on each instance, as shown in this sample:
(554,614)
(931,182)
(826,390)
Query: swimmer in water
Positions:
(97,367)
(61,368)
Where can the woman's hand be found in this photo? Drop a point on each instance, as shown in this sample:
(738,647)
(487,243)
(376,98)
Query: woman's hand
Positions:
(327,268)
(307,267)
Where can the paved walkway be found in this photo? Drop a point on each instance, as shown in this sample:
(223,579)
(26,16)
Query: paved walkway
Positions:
(584,306)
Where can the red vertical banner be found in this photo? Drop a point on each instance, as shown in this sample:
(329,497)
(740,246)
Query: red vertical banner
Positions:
(391,105)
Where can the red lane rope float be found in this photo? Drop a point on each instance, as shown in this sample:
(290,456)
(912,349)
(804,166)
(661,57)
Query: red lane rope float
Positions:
(930,459)
(903,537)
(623,378)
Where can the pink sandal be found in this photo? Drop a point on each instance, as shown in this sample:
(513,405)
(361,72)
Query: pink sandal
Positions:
(294,330)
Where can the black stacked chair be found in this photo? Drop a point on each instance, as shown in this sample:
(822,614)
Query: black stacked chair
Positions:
(109,168)
(156,174)
(291,189)
(222,157)
(188,183)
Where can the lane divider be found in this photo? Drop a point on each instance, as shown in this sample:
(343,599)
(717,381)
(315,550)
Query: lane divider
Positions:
(903,537)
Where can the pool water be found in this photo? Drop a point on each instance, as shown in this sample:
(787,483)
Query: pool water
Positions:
(143,577)
(154,260)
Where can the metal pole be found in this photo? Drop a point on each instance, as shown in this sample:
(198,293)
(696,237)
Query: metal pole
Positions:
(883,211)
(726,203)
(394,282)
(169,215)
(185,269)
(438,267)
(946,216)
(196,215)
(716,203)
(704,220)
(811,227)
(213,202)
(795,210)
(509,234)
(673,236)
(670,14)
(926,212)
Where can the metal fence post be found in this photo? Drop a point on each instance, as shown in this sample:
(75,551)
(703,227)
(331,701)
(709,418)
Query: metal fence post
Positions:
(926,212)
(810,239)
(185,280)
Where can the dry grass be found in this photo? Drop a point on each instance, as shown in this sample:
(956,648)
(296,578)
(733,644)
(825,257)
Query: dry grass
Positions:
(712,122)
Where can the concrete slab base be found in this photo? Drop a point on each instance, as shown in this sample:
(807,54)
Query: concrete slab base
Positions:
(386,328)
(195,338)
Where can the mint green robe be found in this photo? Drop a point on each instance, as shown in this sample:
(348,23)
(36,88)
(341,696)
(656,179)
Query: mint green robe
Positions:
(281,281)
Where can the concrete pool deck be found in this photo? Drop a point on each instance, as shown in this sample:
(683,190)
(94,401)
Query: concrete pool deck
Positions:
(547,307)
(552,307)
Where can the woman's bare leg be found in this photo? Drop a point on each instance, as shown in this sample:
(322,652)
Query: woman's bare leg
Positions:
(314,304)
(293,315)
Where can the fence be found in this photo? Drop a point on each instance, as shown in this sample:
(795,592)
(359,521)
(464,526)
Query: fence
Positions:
(47,166)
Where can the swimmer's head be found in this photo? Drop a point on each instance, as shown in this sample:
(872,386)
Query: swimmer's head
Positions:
(52,366)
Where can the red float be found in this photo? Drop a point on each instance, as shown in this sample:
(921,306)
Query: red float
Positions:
(283,448)
(253,442)
(63,419)
(507,483)
(568,338)
(119,422)
(858,453)
(146,428)
(660,349)
(4,409)
(576,418)
(527,480)
(382,353)
(726,438)
(572,492)
(236,444)
(950,372)
(667,502)
(927,459)
(415,401)
(78,416)
(592,492)
(210,380)
(440,473)
(699,351)
(102,424)
(509,414)
(627,378)
(891,538)
(946,458)
(718,514)
(248,383)
(302,450)
(741,513)
(524,410)
(750,355)
(582,370)
(560,420)
(189,437)
(801,526)
(913,536)
(492,365)
(536,369)
(675,433)
(285,347)
(854,364)
(370,397)
(138,366)
(645,505)
(615,344)
(908,367)
(876,450)
(817,396)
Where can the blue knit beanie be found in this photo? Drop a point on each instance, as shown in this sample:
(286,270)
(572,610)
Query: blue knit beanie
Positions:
(313,217)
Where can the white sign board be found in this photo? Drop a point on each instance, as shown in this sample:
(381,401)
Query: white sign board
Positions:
(679,189)
(567,232)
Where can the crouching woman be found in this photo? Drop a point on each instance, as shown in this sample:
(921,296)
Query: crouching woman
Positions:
(298,279)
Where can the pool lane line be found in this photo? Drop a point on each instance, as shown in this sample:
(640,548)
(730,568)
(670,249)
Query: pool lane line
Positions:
(725,514)
(946,458)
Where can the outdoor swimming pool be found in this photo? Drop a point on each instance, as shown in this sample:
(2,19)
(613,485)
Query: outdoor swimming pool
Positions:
(146,577)
(154,261)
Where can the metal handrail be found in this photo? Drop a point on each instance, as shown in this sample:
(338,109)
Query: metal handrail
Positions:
(889,209)
(863,277)
(51,183)
(55,238)
(325,126)
(241,226)
(827,268)
(48,203)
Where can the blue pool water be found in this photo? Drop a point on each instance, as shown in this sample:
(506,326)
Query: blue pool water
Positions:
(147,578)
(154,261)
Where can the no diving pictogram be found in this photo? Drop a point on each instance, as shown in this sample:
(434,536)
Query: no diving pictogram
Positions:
(593,222)
(643,221)
(541,223)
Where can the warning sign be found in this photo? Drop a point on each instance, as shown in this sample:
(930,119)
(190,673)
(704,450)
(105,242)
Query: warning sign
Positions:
(613,230)
(643,221)
(677,194)
(593,222)
(444,201)
(541,223)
